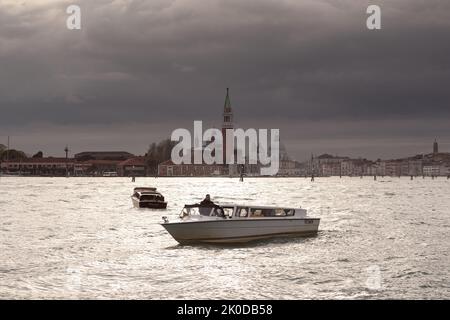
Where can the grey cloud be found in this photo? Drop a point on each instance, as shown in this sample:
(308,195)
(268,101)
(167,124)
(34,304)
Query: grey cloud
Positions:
(167,61)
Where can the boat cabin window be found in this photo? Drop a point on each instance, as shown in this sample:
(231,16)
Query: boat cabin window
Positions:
(207,211)
(260,212)
(228,212)
(222,212)
(148,196)
(256,212)
(151,197)
(204,211)
(289,212)
(217,212)
(184,212)
(242,212)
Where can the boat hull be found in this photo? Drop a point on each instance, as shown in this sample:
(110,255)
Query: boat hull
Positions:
(240,230)
(148,204)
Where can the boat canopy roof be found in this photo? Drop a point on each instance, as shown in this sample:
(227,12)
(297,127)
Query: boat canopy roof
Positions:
(197,205)
(156,194)
(231,205)
(144,189)
(147,192)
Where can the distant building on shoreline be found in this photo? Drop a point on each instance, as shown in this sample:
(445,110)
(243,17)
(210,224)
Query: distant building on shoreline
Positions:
(103,155)
(49,166)
(431,164)
(39,166)
(170,169)
(122,163)
(135,166)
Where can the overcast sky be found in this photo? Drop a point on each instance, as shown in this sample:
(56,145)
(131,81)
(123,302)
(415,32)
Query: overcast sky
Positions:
(139,69)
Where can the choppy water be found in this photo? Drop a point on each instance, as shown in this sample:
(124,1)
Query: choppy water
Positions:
(81,238)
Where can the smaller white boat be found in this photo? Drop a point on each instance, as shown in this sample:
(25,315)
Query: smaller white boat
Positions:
(148,198)
(238,223)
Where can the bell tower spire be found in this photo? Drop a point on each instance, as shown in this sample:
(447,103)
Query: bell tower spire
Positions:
(227,112)
(435,147)
(227,122)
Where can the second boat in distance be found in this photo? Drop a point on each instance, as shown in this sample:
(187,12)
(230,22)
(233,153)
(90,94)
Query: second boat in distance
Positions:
(148,198)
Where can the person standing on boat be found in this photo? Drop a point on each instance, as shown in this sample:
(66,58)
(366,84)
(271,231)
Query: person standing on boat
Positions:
(205,205)
(207,202)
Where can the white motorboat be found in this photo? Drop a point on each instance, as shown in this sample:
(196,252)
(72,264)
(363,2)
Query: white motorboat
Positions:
(148,198)
(238,223)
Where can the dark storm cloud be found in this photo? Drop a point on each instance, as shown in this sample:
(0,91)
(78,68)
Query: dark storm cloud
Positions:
(162,61)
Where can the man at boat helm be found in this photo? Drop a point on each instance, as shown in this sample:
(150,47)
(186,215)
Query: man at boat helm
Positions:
(207,202)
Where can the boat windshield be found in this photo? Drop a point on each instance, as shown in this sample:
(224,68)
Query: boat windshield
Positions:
(206,211)
(153,197)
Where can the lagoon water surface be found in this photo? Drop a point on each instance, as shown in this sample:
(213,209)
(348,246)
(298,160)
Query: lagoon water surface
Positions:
(80,238)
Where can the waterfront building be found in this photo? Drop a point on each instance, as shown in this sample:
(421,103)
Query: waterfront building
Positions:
(415,167)
(393,168)
(347,167)
(371,169)
(328,165)
(132,167)
(431,170)
(330,169)
(444,169)
(358,167)
(170,169)
(96,167)
(380,168)
(404,167)
(289,168)
(81,169)
(103,155)
(48,166)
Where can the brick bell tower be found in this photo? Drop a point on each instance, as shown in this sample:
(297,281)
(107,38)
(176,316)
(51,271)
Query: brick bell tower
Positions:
(227,122)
